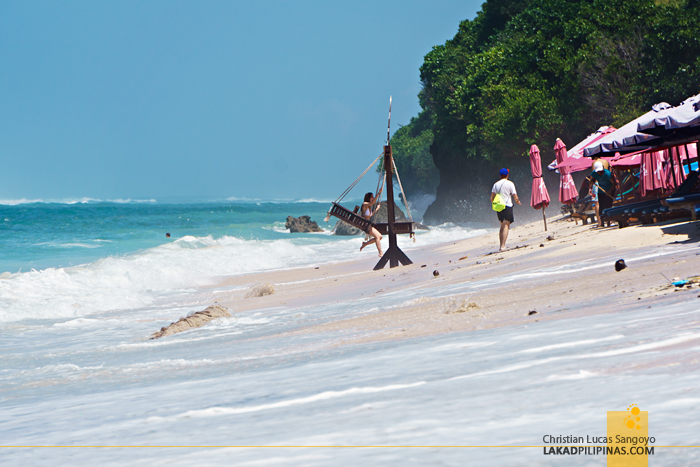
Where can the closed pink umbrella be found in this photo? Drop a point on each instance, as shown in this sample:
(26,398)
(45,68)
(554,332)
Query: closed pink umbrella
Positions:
(652,172)
(539,197)
(567,190)
(674,168)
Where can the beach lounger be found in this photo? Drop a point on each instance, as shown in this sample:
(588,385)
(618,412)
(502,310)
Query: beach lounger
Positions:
(655,210)
(686,203)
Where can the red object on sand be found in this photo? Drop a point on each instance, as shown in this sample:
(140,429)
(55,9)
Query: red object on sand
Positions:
(567,190)
(540,196)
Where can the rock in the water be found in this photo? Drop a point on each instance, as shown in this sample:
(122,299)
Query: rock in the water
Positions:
(343,228)
(301,224)
(383,214)
(194,321)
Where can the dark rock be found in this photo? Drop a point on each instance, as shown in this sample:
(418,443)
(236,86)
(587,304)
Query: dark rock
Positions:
(301,225)
(436,273)
(620,265)
(550,238)
(531,312)
(343,228)
(383,216)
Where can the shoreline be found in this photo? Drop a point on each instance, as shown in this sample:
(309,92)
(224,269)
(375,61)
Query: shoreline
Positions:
(569,276)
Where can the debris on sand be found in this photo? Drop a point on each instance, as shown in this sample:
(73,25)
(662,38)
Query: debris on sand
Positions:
(532,312)
(550,238)
(260,290)
(460,306)
(463,257)
(620,265)
(193,321)
(436,273)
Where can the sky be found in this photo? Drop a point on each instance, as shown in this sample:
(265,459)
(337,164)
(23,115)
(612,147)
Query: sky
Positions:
(207,100)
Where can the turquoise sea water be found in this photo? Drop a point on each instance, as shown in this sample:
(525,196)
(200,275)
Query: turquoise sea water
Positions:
(42,235)
(67,260)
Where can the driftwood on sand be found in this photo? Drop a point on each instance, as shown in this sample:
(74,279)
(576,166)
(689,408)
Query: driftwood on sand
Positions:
(193,321)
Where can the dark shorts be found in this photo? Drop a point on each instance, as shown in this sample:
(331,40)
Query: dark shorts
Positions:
(604,201)
(506,215)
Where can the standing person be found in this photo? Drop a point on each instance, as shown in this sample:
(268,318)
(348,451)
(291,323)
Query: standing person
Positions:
(603,179)
(367,213)
(506,189)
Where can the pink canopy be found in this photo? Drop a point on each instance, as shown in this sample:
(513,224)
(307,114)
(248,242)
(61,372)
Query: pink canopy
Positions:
(567,189)
(540,196)
(626,161)
(575,161)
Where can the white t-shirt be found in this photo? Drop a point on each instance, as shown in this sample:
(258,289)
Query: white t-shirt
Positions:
(507,189)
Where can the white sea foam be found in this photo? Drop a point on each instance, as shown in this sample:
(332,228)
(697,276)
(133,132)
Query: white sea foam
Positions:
(83,200)
(15,202)
(178,267)
(136,280)
(218,411)
(571,344)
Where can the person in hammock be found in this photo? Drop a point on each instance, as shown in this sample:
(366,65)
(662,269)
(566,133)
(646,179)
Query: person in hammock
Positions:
(367,212)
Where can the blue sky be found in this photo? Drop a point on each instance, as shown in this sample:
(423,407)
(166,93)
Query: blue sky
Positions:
(171,99)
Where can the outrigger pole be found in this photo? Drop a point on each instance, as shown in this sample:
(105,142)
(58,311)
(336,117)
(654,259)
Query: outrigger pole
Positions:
(393,255)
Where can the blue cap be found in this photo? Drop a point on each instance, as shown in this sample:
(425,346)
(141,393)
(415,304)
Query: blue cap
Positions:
(503,172)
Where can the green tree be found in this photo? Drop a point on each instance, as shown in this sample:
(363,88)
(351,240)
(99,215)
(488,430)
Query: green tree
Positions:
(527,72)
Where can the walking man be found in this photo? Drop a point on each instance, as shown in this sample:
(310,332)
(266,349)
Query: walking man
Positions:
(506,189)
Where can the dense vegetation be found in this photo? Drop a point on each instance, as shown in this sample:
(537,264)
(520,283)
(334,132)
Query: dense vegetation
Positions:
(529,71)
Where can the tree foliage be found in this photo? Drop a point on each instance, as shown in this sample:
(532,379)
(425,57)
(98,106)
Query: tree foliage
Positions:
(528,71)
(411,149)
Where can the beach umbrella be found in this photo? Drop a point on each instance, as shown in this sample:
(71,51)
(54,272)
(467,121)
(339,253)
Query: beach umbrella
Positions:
(625,161)
(567,190)
(628,137)
(675,175)
(652,172)
(685,116)
(539,197)
(575,162)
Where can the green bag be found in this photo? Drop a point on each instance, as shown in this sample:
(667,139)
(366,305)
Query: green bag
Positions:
(497,204)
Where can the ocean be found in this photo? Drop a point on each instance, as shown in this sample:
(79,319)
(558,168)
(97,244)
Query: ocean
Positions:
(63,260)
(83,285)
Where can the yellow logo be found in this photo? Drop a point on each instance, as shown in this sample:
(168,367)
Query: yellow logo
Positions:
(633,420)
(628,438)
